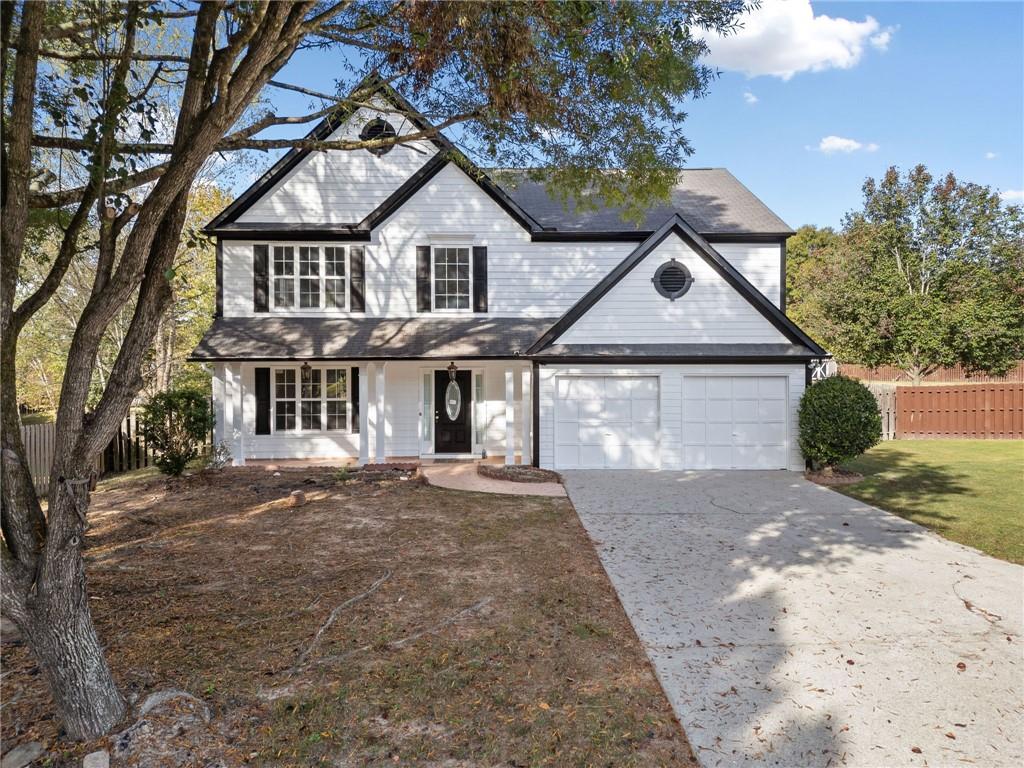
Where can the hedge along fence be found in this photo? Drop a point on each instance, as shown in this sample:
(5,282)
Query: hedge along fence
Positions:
(983,411)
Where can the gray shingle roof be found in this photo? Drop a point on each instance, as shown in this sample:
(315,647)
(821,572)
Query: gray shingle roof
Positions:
(712,201)
(313,338)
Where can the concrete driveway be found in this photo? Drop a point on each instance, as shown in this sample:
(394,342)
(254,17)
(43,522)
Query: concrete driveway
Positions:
(792,626)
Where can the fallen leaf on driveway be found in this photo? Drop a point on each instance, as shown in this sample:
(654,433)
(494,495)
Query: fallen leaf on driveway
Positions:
(961,666)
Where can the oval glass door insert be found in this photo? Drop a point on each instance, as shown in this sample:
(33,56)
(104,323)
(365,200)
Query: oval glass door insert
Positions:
(452,400)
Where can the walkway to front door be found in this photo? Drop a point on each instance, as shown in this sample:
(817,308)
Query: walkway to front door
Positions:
(790,625)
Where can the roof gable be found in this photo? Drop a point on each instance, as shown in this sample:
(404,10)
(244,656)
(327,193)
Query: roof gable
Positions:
(678,227)
(257,207)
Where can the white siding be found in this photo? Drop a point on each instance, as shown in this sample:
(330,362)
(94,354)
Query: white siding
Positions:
(401,421)
(525,279)
(760,263)
(671,378)
(634,312)
(341,187)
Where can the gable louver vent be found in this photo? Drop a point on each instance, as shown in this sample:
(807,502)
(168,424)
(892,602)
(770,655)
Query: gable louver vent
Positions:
(378,128)
(672,280)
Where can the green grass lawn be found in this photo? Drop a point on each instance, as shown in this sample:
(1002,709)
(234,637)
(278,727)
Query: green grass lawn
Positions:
(970,491)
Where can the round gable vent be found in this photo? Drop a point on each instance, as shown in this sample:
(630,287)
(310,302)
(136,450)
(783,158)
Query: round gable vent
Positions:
(378,128)
(672,280)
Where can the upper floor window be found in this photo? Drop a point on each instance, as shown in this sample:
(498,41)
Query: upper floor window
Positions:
(452,279)
(309,277)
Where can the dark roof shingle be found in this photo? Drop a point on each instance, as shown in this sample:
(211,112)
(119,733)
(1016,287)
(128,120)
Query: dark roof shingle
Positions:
(322,338)
(712,201)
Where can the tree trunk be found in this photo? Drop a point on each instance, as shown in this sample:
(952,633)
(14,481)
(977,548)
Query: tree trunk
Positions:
(56,623)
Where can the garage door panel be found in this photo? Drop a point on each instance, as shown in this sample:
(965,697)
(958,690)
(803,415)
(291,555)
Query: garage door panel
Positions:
(719,410)
(771,410)
(644,410)
(610,421)
(772,387)
(741,422)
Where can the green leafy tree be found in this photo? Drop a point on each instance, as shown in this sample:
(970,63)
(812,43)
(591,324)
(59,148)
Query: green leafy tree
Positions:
(112,110)
(927,274)
(176,423)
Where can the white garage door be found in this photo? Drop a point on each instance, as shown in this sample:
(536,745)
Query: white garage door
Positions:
(734,422)
(606,422)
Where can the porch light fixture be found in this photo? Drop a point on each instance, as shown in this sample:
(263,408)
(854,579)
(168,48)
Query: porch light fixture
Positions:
(306,370)
(452,368)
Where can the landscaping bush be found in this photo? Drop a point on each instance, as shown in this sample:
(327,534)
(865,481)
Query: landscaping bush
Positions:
(839,420)
(176,423)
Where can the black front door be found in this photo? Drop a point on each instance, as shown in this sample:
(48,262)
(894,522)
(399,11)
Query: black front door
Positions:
(452,425)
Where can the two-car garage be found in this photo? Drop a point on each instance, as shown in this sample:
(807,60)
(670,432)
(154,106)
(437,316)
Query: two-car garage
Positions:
(673,418)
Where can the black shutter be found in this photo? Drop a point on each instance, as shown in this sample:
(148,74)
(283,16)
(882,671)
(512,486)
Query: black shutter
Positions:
(263,400)
(480,278)
(422,278)
(354,383)
(219,310)
(357,278)
(261,278)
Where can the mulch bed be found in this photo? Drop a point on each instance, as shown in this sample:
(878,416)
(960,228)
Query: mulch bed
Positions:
(518,473)
(381,623)
(836,477)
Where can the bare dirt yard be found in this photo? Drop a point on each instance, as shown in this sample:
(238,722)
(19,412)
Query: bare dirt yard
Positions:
(384,622)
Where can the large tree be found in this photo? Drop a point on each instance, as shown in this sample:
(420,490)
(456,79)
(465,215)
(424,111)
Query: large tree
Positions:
(90,85)
(927,274)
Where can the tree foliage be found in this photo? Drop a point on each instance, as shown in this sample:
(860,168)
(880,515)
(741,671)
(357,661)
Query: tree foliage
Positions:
(176,423)
(839,420)
(111,112)
(927,274)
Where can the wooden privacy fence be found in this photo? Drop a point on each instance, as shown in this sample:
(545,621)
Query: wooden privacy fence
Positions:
(127,451)
(989,411)
(954,374)
(885,396)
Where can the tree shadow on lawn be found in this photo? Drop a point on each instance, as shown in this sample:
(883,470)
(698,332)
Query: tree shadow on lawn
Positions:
(906,484)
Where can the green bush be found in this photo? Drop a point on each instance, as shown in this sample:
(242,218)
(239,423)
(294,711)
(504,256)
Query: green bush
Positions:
(176,424)
(839,420)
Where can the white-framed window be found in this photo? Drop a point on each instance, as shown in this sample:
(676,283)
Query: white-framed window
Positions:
(308,278)
(451,277)
(315,399)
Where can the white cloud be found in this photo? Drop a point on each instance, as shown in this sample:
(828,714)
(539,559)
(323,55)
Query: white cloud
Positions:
(1012,195)
(749,97)
(991,155)
(882,39)
(832,144)
(784,37)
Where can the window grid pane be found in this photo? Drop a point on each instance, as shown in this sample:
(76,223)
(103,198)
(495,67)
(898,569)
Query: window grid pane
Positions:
(334,293)
(451,278)
(309,292)
(284,260)
(311,414)
(334,262)
(335,396)
(309,261)
(284,292)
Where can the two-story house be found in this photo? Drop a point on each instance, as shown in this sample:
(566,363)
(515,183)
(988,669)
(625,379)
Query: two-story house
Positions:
(399,303)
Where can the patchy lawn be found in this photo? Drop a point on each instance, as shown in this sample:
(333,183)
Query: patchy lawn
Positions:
(970,491)
(383,623)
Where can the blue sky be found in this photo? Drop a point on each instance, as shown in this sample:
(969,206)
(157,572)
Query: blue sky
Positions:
(813,98)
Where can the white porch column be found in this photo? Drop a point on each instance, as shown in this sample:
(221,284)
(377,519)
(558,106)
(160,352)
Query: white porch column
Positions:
(526,418)
(510,416)
(364,408)
(380,433)
(233,413)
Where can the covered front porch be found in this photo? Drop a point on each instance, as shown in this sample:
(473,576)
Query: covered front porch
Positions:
(375,411)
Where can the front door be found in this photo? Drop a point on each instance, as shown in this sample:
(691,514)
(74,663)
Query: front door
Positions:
(453,431)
